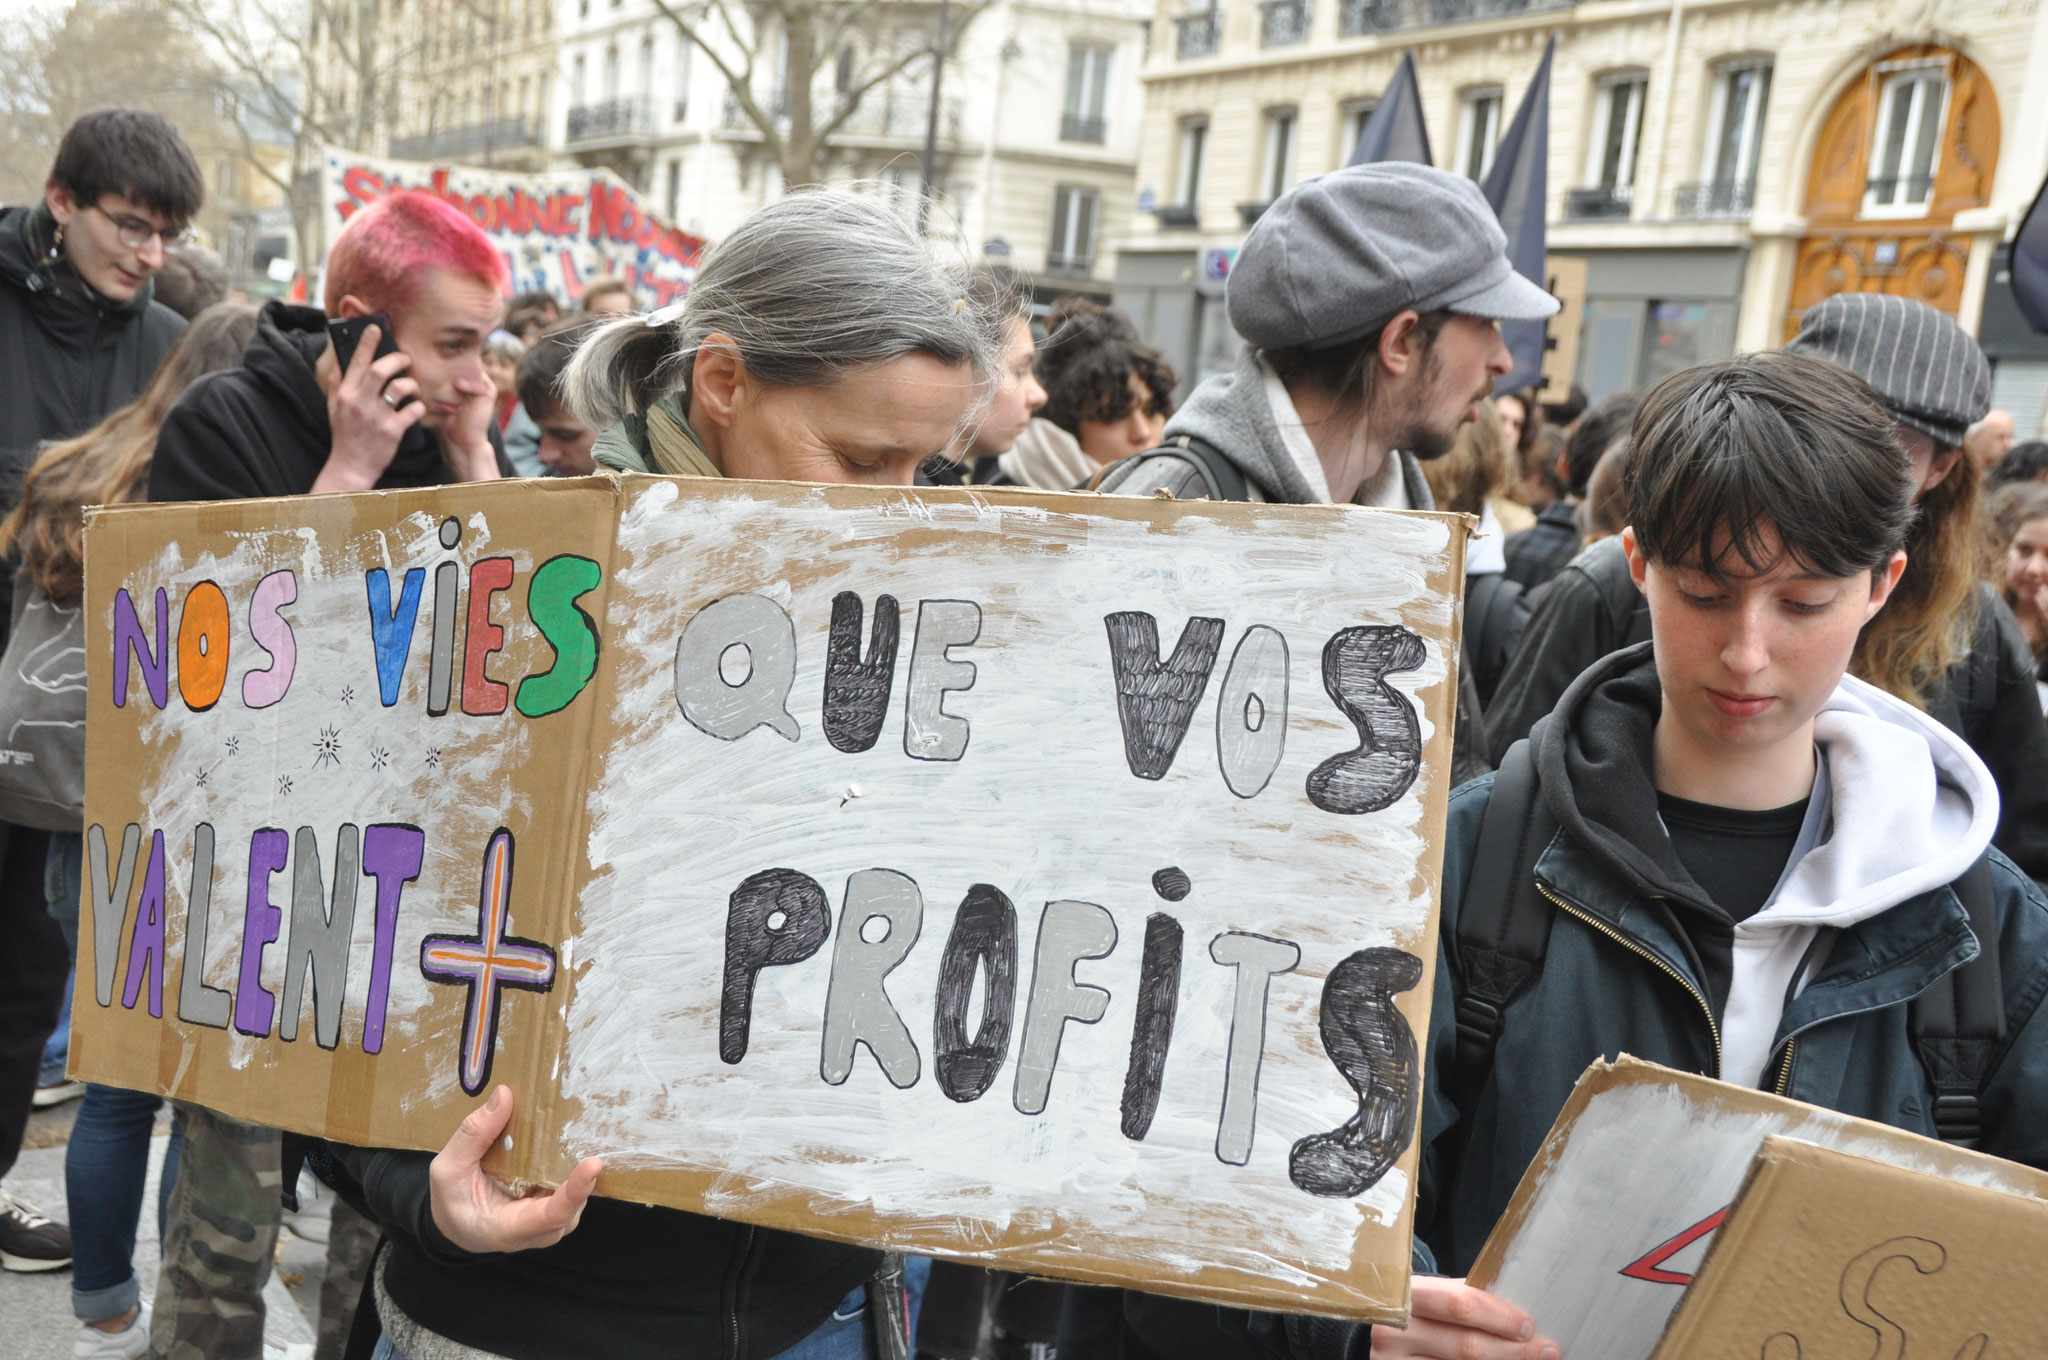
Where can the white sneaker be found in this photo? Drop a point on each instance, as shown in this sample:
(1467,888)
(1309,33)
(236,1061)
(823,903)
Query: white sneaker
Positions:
(310,1221)
(131,1343)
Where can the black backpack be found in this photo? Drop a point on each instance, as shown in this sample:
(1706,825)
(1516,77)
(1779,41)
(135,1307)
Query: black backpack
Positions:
(1504,930)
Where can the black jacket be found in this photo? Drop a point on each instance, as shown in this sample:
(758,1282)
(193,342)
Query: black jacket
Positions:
(1988,699)
(632,1281)
(1539,552)
(68,356)
(261,429)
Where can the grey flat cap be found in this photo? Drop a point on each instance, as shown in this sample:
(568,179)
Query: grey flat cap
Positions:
(1931,375)
(1337,256)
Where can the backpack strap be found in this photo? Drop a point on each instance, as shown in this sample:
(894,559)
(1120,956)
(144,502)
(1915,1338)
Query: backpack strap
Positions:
(1958,1023)
(1220,476)
(1503,923)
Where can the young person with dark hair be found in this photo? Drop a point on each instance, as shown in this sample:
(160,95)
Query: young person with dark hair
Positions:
(1748,861)
(1543,550)
(79,338)
(565,441)
(1105,393)
(1947,645)
(2023,462)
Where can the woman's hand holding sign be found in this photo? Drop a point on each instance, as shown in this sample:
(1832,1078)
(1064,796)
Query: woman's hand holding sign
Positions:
(1453,1321)
(476,1211)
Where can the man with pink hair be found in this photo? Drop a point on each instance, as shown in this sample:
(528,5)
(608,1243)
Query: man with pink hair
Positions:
(292,420)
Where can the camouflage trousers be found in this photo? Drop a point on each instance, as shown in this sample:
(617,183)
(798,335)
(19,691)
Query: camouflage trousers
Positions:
(351,1243)
(220,1241)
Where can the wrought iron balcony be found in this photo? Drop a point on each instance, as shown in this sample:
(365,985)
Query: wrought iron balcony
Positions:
(1195,35)
(1179,216)
(1077,129)
(1067,263)
(1250,213)
(1283,23)
(1358,18)
(1606,201)
(1716,198)
(501,134)
(733,118)
(612,120)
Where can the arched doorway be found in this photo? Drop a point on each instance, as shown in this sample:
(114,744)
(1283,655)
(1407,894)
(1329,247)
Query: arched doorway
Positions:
(1911,143)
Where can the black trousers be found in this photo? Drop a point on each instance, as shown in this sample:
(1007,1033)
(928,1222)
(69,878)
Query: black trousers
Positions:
(33,963)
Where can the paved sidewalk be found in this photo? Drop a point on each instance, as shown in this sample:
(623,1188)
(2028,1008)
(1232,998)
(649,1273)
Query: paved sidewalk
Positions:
(36,1322)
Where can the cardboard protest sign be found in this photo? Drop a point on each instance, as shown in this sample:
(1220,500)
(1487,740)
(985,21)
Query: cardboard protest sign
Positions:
(1613,1217)
(1827,1255)
(556,230)
(1040,880)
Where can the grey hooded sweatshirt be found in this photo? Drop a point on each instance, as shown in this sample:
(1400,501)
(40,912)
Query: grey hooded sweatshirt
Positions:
(1234,414)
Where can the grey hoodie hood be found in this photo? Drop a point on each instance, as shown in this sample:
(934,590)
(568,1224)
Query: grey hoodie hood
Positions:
(1232,414)
(1909,808)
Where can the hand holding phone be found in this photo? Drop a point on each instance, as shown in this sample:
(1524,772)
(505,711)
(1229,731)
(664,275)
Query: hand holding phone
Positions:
(371,408)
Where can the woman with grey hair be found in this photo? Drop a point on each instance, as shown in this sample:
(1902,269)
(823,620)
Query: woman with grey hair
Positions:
(823,341)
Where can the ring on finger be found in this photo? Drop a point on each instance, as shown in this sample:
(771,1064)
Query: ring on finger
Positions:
(391,399)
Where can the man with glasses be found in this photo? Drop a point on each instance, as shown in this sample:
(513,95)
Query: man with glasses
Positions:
(79,338)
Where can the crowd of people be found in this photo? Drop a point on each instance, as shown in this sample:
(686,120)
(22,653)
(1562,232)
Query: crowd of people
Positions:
(1750,718)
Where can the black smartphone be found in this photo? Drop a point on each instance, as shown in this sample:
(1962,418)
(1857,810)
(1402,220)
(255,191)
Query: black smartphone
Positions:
(348,333)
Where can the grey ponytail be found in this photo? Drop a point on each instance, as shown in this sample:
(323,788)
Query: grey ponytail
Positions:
(815,284)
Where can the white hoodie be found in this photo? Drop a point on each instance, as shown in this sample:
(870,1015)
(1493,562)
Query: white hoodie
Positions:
(1902,806)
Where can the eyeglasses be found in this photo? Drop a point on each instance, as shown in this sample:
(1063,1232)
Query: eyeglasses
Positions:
(134,233)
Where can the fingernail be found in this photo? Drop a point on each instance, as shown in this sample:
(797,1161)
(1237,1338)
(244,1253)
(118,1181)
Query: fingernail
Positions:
(1550,1353)
(1528,1330)
(498,1097)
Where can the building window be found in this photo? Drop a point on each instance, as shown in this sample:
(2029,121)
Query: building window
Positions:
(1072,247)
(1352,116)
(1087,93)
(1283,23)
(611,74)
(1611,150)
(1478,131)
(1735,133)
(647,66)
(1197,31)
(1906,149)
(683,55)
(1194,144)
(674,194)
(577,81)
(1278,176)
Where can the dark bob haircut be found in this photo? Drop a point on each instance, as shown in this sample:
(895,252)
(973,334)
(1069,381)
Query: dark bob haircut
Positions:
(134,154)
(1727,452)
(1086,364)
(1587,442)
(540,372)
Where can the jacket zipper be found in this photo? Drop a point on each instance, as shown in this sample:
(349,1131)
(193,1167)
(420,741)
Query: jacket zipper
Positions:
(1625,942)
(732,1318)
(1785,1069)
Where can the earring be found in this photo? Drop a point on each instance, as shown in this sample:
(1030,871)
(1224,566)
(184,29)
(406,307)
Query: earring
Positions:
(57,244)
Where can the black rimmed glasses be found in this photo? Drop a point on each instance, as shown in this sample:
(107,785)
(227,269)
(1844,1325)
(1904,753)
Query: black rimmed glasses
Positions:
(134,232)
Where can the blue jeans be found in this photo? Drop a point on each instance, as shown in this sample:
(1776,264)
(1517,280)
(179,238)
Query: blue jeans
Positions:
(844,1335)
(105,1166)
(106,1163)
(59,1046)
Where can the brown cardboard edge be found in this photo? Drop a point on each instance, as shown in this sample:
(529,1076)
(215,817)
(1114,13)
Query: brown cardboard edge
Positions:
(1730,1240)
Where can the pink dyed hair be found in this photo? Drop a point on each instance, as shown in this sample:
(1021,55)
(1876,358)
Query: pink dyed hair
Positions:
(387,248)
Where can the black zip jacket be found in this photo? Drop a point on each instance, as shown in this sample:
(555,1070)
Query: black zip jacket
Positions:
(632,1282)
(68,357)
(1988,699)
(261,429)
(1539,552)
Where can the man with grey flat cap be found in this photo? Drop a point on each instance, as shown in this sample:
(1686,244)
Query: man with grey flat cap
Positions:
(1367,300)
